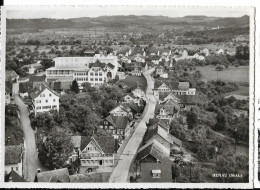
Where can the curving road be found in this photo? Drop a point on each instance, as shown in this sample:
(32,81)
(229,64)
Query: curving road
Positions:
(120,172)
(31,162)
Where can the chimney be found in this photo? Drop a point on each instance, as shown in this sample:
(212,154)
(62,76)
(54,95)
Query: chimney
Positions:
(38,170)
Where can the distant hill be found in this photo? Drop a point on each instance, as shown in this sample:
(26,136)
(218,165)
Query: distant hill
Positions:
(125,22)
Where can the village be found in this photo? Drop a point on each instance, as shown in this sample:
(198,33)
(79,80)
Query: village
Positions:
(81,110)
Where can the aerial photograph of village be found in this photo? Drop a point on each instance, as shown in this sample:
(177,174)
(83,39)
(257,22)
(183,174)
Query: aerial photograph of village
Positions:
(130,96)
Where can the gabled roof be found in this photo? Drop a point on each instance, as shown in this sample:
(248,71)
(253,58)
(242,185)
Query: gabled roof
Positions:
(170,106)
(59,175)
(131,95)
(152,149)
(13,154)
(188,99)
(34,78)
(172,85)
(133,107)
(156,121)
(14,176)
(97,64)
(184,85)
(40,89)
(119,122)
(106,143)
(124,108)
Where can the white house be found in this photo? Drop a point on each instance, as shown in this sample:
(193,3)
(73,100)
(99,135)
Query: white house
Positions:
(44,99)
(138,92)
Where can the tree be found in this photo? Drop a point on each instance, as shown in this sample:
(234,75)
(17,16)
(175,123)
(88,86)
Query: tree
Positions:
(74,87)
(55,151)
(47,63)
(192,119)
(221,121)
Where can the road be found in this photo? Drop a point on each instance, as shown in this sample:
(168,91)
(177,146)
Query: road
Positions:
(31,162)
(120,172)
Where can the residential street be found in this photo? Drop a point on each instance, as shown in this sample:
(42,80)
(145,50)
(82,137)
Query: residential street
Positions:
(120,172)
(31,162)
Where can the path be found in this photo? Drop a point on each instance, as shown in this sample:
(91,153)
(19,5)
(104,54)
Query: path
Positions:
(31,162)
(120,172)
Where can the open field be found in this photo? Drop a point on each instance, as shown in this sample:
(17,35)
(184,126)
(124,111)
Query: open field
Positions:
(234,74)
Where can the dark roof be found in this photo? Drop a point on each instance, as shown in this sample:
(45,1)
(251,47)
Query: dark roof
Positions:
(15,177)
(8,87)
(154,150)
(25,87)
(40,89)
(34,78)
(111,65)
(97,64)
(188,99)
(13,154)
(119,122)
(172,85)
(133,106)
(170,106)
(106,143)
(156,122)
(146,172)
(59,175)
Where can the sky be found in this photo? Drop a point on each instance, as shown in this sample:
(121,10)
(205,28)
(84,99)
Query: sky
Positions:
(66,12)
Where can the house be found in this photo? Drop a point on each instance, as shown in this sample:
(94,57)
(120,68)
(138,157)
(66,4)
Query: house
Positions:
(139,58)
(139,92)
(154,122)
(118,126)
(167,110)
(94,151)
(25,88)
(53,176)
(177,88)
(120,110)
(36,80)
(155,173)
(205,51)
(31,70)
(161,72)
(11,75)
(199,57)
(130,98)
(219,51)
(8,92)
(138,68)
(96,70)
(14,159)
(158,133)
(44,99)
(185,101)
(13,176)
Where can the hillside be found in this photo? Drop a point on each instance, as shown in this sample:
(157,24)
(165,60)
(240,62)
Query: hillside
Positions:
(125,22)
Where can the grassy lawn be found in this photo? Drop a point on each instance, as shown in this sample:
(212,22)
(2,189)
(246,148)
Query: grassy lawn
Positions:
(235,74)
(132,81)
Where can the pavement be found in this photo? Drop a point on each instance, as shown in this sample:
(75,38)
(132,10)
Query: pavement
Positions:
(120,172)
(31,162)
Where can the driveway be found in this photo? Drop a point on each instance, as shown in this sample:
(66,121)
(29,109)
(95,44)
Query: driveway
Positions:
(31,162)
(120,172)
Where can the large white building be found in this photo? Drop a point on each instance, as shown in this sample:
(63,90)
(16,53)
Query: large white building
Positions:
(44,99)
(95,70)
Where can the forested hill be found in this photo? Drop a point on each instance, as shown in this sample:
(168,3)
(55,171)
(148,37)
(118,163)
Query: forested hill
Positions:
(126,21)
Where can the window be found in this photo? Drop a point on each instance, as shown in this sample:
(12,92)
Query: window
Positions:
(50,95)
(105,123)
(16,168)
(46,101)
(100,79)
(91,74)
(38,108)
(38,101)
(156,173)
(54,100)
(96,79)
(54,107)
(100,74)
(91,79)
(42,95)
(96,74)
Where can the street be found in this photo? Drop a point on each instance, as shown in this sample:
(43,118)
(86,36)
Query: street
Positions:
(31,162)
(120,172)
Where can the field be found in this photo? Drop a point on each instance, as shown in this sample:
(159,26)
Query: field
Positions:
(235,74)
